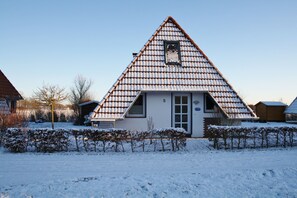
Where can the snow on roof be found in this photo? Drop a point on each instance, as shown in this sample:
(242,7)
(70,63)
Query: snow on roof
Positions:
(148,71)
(292,108)
(273,103)
(89,102)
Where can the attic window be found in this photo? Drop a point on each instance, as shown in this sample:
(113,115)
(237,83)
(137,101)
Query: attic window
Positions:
(210,106)
(172,52)
(138,108)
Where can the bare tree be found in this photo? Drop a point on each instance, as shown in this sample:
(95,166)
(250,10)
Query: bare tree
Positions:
(79,93)
(50,95)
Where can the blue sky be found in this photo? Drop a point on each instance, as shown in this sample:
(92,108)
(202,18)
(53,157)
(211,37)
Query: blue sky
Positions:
(253,43)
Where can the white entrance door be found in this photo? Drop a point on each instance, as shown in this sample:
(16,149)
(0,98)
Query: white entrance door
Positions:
(182,111)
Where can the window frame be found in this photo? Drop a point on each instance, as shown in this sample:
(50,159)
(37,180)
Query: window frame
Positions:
(206,98)
(165,51)
(143,115)
(189,112)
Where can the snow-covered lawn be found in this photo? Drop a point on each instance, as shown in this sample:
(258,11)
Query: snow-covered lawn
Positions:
(198,172)
(57,125)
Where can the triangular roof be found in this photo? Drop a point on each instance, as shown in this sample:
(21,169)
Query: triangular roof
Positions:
(7,90)
(292,108)
(148,72)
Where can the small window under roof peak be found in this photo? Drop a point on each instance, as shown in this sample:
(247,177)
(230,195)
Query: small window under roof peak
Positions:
(172,53)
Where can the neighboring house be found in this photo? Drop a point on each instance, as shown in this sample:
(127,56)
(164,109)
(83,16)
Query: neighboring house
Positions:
(86,108)
(8,95)
(170,83)
(270,111)
(291,112)
(4,109)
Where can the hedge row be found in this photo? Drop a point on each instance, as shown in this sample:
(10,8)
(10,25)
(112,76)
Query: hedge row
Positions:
(252,137)
(48,140)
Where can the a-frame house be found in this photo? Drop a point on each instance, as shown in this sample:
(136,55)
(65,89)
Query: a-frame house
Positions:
(170,83)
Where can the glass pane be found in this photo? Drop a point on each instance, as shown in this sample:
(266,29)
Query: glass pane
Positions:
(185,99)
(209,104)
(185,118)
(177,99)
(177,125)
(177,118)
(138,107)
(177,109)
(185,126)
(185,109)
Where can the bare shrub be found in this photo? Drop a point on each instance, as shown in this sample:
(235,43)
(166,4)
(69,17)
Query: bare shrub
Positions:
(14,120)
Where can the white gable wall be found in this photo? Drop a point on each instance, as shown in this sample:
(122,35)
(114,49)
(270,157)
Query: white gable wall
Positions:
(197,121)
(198,114)
(156,108)
(159,108)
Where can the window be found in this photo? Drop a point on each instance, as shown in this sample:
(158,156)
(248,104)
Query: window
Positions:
(210,105)
(291,117)
(172,52)
(138,108)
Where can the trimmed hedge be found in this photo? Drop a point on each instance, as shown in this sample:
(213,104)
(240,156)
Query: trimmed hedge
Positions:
(44,140)
(230,137)
(48,140)
(114,139)
(15,140)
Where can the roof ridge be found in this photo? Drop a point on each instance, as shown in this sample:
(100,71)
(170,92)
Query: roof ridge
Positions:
(272,102)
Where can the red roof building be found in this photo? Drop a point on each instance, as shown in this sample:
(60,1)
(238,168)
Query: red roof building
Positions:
(8,95)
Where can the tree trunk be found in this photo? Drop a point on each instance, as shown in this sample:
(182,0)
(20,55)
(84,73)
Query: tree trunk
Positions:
(53,119)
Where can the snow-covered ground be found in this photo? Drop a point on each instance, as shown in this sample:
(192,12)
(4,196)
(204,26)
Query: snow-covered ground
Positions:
(198,172)
(57,125)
